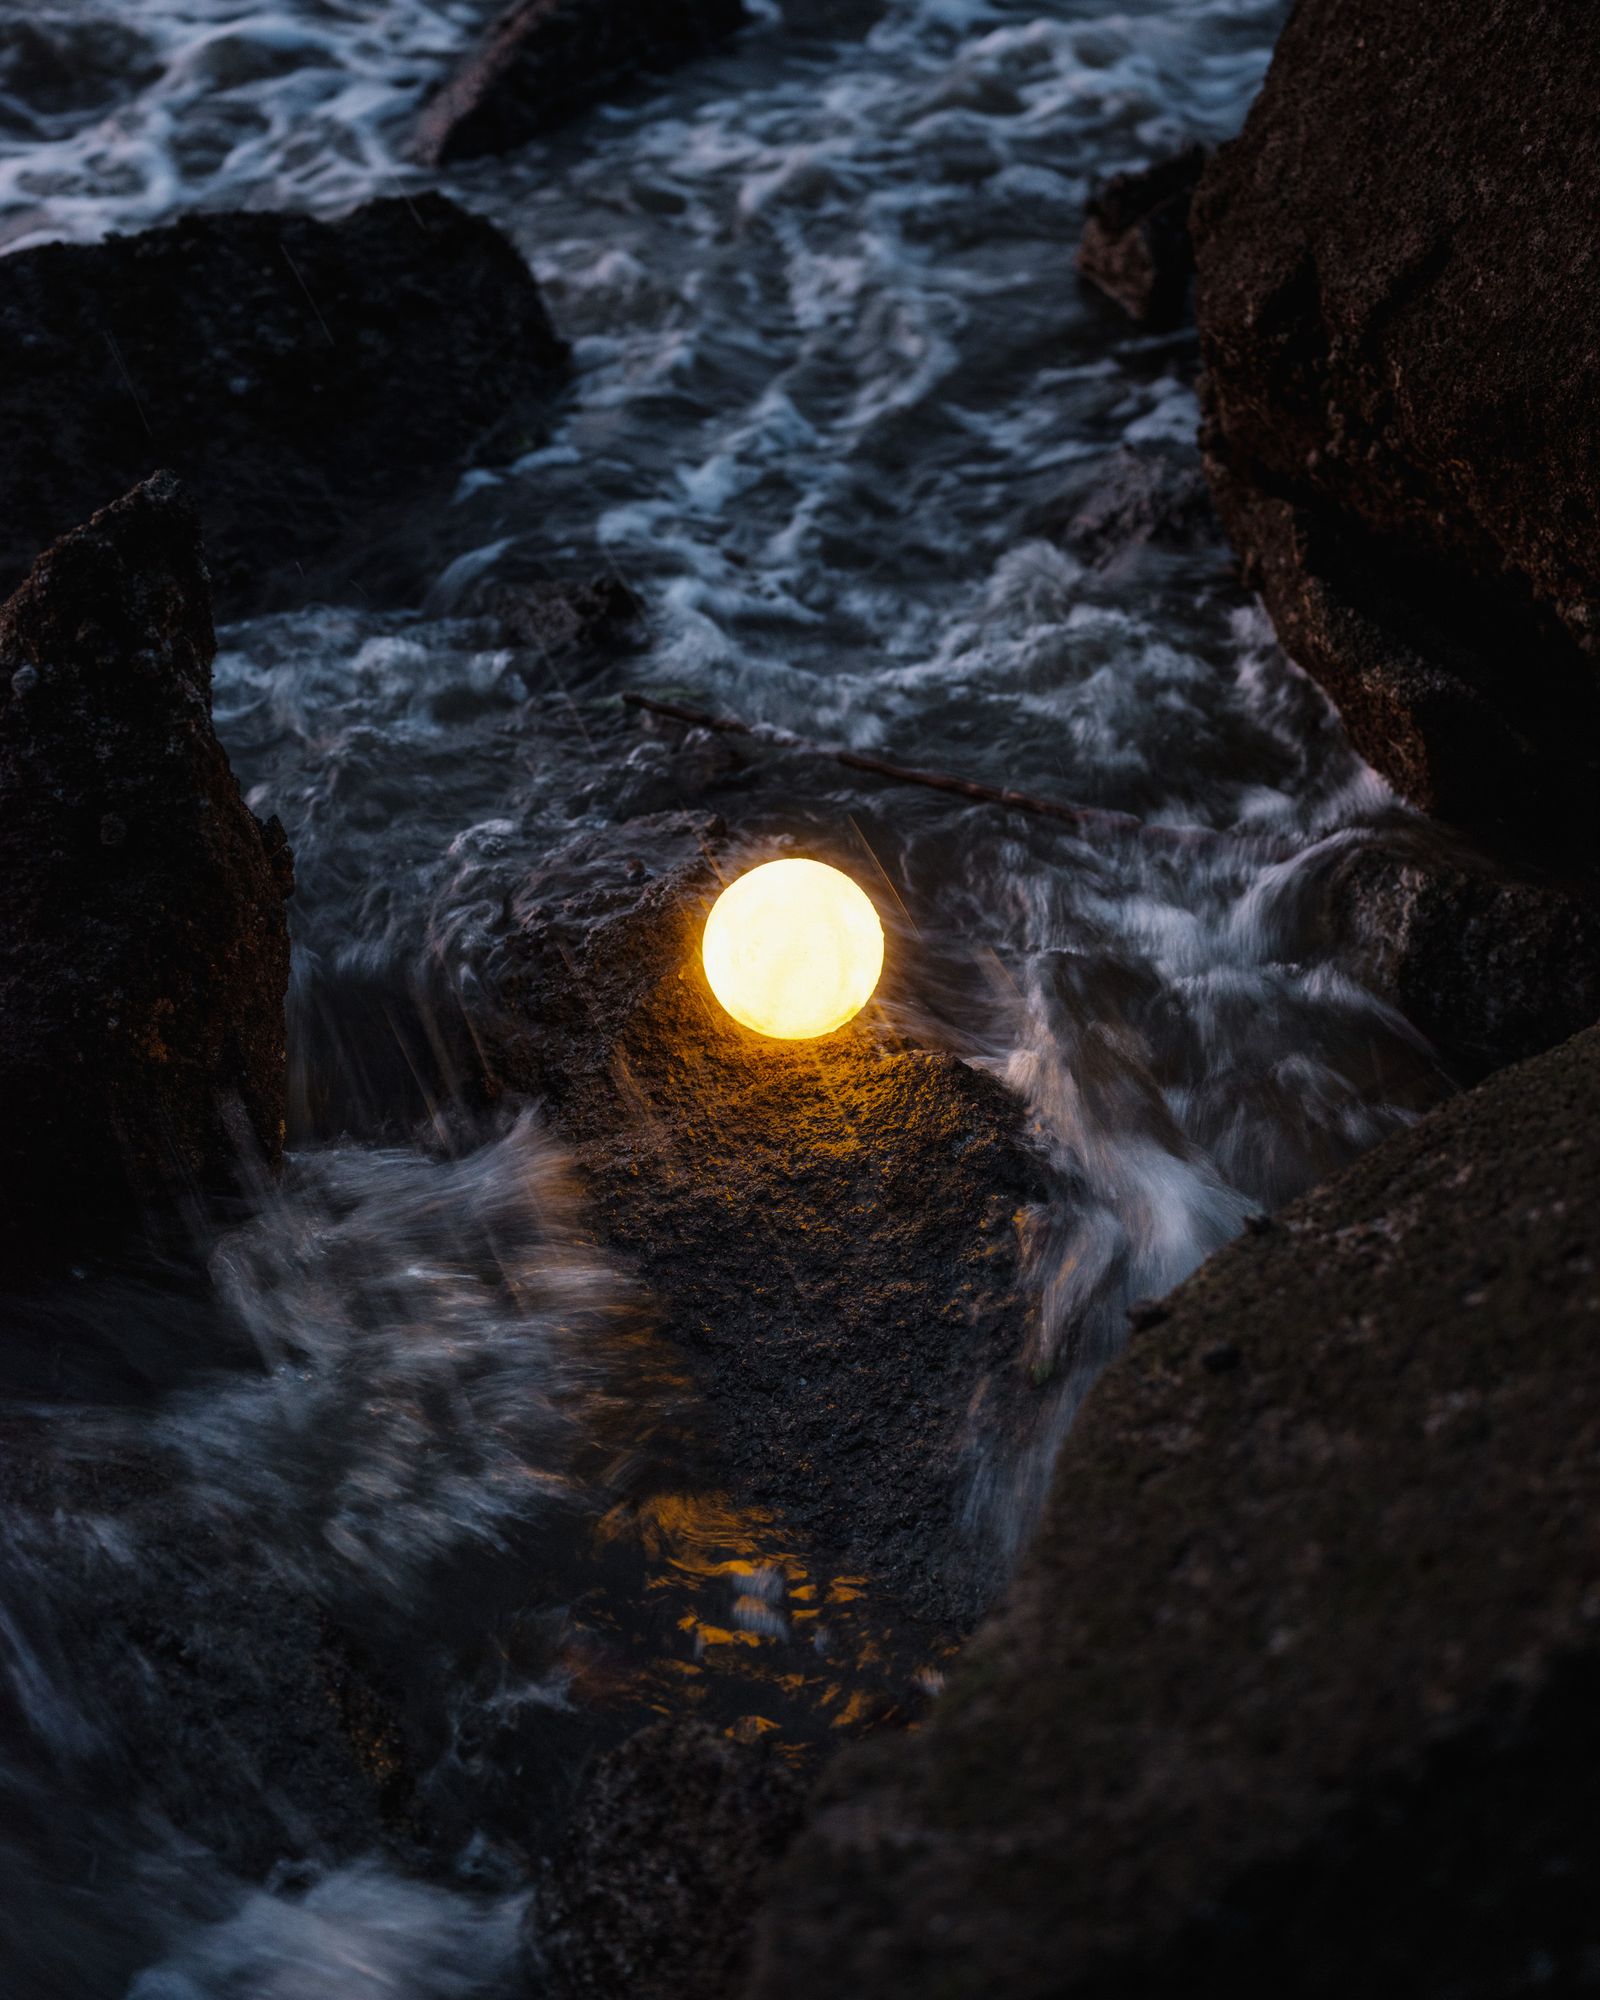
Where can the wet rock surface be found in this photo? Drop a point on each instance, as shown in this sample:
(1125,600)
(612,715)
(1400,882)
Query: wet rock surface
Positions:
(655,1888)
(144,953)
(1294,1692)
(543,61)
(1471,712)
(1491,967)
(837,1231)
(1402,390)
(319,385)
(1136,247)
(1147,498)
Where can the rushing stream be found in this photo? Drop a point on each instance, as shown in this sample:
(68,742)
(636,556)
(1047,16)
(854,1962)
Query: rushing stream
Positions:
(836,388)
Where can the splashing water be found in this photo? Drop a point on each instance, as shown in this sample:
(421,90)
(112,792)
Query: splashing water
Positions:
(836,392)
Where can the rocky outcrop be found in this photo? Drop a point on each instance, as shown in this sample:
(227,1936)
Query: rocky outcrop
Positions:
(543,61)
(143,949)
(320,385)
(1403,392)
(1136,246)
(837,1232)
(654,1890)
(1493,968)
(1295,1692)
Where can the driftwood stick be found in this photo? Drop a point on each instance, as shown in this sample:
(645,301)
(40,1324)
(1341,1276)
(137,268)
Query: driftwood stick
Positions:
(1096,817)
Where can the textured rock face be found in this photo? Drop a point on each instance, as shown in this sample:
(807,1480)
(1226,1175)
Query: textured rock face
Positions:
(143,949)
(655,1888)
(1136,245)
(1492,969)
(1399,333)
(1295,1693)
(545,60)
(837,1231)
(315,383)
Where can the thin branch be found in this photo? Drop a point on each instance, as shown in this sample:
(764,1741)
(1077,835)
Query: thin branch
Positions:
(1096,818)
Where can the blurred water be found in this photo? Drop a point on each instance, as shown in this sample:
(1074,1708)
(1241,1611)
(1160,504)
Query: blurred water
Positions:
(836,388)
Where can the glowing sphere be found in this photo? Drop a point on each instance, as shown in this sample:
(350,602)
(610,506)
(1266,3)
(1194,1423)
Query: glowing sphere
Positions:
(793,949)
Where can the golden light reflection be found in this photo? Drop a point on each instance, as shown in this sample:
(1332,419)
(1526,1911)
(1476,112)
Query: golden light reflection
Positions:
(793,949)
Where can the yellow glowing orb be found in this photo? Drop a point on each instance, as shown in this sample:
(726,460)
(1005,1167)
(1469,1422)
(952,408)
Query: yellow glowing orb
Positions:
(793,949)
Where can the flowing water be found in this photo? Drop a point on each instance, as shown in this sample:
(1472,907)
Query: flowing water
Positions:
(836,389)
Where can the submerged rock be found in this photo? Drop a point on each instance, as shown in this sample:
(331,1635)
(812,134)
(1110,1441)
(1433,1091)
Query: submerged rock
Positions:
(1403,388)
(144,953)
(1143,498)
(837,1231)
(654,1891)
(1136,246)
(319,384)
(1295,1692)
(545,60)
(594,620)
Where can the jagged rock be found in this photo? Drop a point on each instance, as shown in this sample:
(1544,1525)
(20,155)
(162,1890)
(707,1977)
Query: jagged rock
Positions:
(1143,498)
(1493,968)
(319,384)
(1417,669)
(545,60)
(600,618)
(837,1232)
(1136,246)
(1403,388)
(143,949)
(1295,1694)
(654,1890)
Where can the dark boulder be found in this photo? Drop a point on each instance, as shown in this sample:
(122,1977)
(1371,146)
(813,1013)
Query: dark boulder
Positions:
(654,1890)
(1135,246)
(1295,1693)
(1492,967)
(837,1232)
(543,61)
(321,385)
(144,953)
(1403,390)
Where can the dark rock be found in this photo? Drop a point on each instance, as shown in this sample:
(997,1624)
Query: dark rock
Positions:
(1403,385)
(833,20)
(654,1891)
(60,68)
(321,385)
(194,1690)
(1296,1691)
(1144,497)
(1136,246)
(543,61)
(556,619)
(1492,968)
(837,1231)
(1416,662)
(143,949)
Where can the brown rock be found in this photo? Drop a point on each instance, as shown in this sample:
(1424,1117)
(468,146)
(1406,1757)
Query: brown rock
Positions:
(1295,1693)
(543,61)
(1401,346)
(1493,968)
(654,1891)
(320,385)
(143,949)
(1136,246)
(837,1232)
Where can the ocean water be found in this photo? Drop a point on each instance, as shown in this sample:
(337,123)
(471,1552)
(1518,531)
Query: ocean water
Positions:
(836,390)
